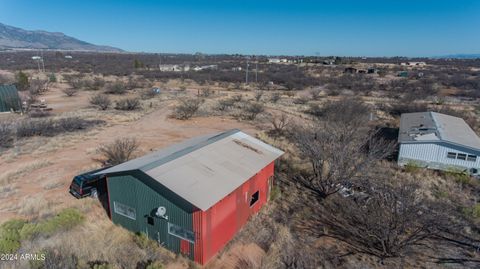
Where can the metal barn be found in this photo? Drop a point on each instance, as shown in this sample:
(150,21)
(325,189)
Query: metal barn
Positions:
(194,196)
(438,141)
(9,98)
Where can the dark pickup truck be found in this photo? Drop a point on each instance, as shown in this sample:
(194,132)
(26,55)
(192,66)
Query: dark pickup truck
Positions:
(88,184)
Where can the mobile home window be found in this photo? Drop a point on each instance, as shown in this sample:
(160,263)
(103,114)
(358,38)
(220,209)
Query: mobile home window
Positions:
(451,155)
(254,198)
(472,158)
(124,210)
(461,156)
(180,232)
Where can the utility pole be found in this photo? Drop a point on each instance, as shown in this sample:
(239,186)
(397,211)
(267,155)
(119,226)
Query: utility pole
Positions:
(256,71)
(246,74)
(43,64)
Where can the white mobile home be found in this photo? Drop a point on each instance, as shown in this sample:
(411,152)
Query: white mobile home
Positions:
(438,141)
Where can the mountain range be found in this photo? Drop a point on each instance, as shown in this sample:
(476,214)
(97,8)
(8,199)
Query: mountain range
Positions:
(13,38)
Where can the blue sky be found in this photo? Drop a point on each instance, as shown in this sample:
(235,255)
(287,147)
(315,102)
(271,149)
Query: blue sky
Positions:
(348,28)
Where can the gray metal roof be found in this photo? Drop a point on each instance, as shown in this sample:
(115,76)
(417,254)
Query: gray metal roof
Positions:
(433,127)
(203,170)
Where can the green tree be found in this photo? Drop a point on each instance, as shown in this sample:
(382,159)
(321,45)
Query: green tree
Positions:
(138,64)
(22,82)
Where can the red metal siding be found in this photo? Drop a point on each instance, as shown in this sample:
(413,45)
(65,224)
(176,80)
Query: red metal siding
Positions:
(219,224)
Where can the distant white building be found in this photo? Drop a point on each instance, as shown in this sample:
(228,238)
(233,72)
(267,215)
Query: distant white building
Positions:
(173,67)
(206,67)
(438,141)
(274,60)
(36,58)
(68,57)
(414,64)
(238,68)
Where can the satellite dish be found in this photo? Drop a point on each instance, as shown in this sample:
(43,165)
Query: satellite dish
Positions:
(161,211)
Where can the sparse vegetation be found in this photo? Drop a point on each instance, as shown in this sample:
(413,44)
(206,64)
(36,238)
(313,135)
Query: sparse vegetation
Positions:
(252,109)
(130,103)
(187,108)
(70,92)
(101,101)
(117,87)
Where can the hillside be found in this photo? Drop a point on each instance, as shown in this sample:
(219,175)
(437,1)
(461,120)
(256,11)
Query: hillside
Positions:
(16,38)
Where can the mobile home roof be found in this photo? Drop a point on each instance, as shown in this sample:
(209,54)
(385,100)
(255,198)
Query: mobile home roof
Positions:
(431,126)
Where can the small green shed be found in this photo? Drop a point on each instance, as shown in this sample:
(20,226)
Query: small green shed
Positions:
(9,98)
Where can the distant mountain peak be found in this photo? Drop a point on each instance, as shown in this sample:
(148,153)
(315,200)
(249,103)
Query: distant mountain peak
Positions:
(12,38)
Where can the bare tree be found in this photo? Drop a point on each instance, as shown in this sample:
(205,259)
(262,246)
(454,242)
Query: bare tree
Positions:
(386,217)
(340,148)
(119,151)
(279,124)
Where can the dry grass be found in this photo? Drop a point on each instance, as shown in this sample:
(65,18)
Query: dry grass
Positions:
(7,191)
(90,242)
(35,206)
(26,169)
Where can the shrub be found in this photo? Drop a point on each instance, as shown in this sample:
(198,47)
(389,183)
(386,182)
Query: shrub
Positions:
(6,135)
(39,113)
(148,94)
(412,167)
(258,96)
(473,211)
(315,110)
(101,101)
(119,151)
(315,93)
(52,78)
(275,97)
(65,220)
(459,176)
(116,88)
(155,265)
(225,104)
(300,100)
(187,108)
(10,236)
(400,108)
(237,98)
(132,103)
(70,92)
(251,110)
(205,92)
(52,127)
(94,85)
(21,81)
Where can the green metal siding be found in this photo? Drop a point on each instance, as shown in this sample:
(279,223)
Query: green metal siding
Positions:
(9,98)
(133,190)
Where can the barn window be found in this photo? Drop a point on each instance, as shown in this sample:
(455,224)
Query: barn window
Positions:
(124,210)
(472,158)
(254,198)
(180,232)
(150,220)
(461,156)
(451,155)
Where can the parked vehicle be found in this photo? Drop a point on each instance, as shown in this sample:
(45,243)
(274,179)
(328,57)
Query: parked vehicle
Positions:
(88,184)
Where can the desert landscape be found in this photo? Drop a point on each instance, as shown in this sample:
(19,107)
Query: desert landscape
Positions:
(91,100)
